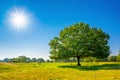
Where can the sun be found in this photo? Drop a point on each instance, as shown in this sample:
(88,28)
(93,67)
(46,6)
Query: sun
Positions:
(18,19)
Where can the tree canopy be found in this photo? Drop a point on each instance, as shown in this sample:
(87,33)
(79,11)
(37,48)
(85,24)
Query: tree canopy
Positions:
(80,40)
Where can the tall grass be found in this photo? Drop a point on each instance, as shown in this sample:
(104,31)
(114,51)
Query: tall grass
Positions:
(60,71)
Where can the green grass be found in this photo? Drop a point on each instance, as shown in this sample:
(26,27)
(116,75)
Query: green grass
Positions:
(60,71)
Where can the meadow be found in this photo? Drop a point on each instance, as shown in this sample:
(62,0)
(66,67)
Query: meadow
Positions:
(60,71)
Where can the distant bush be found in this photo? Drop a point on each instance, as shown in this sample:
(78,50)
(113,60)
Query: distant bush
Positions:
(112,58)
(22,59)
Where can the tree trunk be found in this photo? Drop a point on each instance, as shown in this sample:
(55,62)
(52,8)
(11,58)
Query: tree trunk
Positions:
(78,61)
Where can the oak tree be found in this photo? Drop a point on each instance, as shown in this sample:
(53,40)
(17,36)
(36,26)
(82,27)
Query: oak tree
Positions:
(80,40)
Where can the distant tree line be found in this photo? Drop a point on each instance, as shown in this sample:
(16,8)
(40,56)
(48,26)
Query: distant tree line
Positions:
(115,58)
(23,59)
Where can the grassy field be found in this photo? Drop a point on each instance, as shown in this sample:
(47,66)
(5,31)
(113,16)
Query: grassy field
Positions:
(60,71)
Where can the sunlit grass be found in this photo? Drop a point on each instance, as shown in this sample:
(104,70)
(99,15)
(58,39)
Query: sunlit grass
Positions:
(60,71)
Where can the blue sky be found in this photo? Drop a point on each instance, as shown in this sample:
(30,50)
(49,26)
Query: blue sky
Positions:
(49,17)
